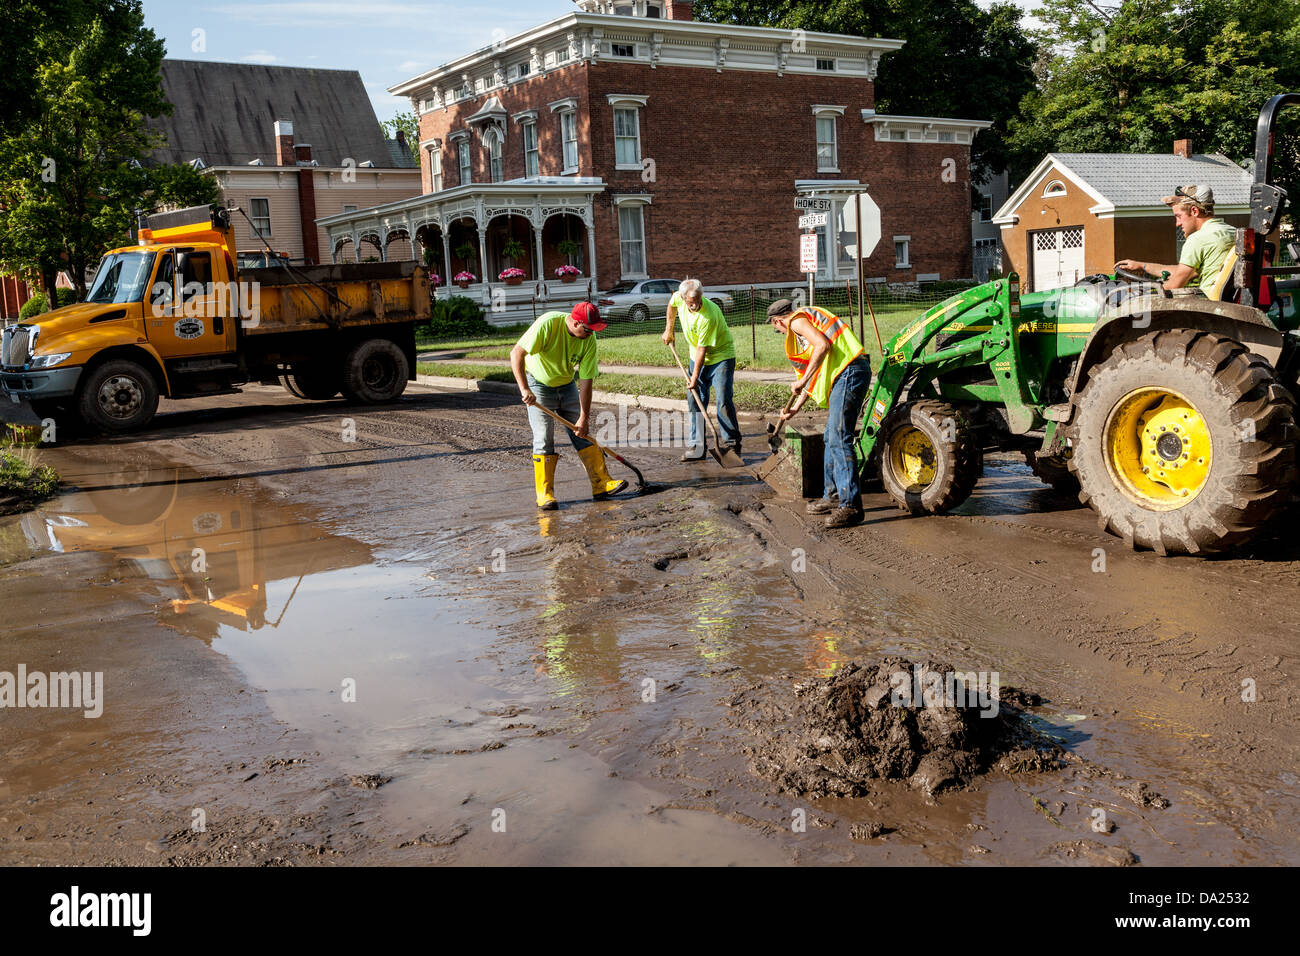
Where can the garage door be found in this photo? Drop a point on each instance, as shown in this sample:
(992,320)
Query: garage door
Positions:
(1058,258)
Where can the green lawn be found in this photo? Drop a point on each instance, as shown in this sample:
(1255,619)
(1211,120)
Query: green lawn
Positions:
(750,396)
(637,343)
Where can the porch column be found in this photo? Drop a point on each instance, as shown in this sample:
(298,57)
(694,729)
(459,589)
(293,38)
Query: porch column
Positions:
(446,261)
(482,262)
(356,247)
(541,268)
(590,222)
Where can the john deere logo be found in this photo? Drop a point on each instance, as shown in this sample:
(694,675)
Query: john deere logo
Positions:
(188,329)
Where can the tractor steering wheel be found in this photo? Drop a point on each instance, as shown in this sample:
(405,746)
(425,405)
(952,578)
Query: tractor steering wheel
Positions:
(1133,276)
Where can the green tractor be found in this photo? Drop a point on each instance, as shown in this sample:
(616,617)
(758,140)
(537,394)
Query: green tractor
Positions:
(1170,413)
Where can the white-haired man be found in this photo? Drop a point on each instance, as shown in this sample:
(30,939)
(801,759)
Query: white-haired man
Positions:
(713,362)
(1209,240)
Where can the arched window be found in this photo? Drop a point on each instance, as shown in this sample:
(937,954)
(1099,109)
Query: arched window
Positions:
(1054,188)
(494,155)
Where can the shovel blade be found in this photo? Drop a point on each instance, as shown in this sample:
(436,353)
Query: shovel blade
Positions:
(729,459)
(772,464)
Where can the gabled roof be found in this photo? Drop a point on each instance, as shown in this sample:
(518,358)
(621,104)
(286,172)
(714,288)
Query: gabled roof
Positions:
(1135,182)
(225,113)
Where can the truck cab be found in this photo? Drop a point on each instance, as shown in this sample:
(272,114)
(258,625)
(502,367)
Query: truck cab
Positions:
(171,316)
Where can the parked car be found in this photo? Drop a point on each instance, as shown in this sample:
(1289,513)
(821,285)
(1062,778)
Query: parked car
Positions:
(648,298)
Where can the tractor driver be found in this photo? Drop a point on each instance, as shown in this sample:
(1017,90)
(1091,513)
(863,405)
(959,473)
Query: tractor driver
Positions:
(1209,240)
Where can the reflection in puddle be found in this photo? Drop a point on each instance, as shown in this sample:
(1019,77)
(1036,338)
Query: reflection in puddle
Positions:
(203,554)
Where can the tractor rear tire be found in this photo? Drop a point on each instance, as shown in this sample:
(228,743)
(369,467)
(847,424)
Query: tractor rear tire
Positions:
(930,459)
(1052,471)
(1184,443)
(374,371)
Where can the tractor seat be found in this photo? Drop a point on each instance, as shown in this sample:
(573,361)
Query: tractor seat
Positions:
(1225,286)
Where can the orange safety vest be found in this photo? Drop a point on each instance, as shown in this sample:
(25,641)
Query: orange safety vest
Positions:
(845,347)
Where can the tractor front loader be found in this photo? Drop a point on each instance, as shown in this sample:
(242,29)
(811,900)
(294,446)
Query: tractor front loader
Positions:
(1170,413)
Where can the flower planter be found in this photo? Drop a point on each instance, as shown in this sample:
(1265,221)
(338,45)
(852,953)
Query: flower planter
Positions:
(568,280)
(463,284)
(515,280)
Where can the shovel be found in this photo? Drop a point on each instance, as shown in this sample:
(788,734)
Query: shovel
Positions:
(641,486)
(727,459)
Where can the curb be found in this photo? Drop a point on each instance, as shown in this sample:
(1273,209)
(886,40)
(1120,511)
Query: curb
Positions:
(603,398)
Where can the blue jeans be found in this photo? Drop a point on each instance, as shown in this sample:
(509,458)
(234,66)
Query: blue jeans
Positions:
(563,400)
(840,466)
(717,376)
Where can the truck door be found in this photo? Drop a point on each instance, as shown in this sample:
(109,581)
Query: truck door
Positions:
(199,322)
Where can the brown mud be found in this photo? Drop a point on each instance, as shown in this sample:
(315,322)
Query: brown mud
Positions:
(387,655)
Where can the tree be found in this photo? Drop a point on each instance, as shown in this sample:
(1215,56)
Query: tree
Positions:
(1136,75)
(958,61)
(71,173)
(409,124)
(179,186)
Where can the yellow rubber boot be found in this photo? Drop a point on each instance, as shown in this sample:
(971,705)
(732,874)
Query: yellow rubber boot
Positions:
(544,481)
(602,486)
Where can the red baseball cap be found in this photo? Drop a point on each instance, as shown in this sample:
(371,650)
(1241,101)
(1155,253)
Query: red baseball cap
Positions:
(585,313)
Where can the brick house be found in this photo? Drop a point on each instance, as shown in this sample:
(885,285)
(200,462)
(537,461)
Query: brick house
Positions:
(1078,214)
(288,145)
(662,146)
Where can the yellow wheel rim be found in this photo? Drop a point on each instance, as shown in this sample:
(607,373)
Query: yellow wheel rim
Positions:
(912,456)
(1158,448)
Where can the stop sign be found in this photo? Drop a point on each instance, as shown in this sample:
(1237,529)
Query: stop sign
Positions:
(870,225)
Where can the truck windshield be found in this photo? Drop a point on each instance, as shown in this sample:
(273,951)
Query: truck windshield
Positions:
(122,277)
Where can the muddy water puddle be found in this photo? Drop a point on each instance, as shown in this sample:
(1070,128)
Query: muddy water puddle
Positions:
(525,687)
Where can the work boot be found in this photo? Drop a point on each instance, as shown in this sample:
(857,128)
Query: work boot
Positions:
(822,506)
(845,516)
(690,454)
(544,481)
(602,486)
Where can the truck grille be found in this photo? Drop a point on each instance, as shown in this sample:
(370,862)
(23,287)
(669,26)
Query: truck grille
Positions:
(16,347)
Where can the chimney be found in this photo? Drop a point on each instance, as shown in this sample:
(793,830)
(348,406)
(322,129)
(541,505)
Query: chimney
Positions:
(307,203)
(680,10)
(283,143)
(1183,148)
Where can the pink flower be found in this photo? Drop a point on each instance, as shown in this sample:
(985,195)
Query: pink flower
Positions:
(512,274)
(566,270)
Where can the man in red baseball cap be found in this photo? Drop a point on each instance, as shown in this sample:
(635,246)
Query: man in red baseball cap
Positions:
(544,361)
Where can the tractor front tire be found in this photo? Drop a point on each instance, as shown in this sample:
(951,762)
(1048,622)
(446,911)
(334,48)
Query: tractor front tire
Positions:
(1184,443)
(1052,471)
(930,459)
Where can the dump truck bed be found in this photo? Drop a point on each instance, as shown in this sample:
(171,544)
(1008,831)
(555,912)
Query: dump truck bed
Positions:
(337,296)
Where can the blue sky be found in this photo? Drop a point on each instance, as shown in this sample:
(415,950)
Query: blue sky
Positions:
(386,41)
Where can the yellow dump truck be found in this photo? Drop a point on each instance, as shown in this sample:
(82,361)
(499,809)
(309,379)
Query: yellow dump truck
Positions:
(172,316)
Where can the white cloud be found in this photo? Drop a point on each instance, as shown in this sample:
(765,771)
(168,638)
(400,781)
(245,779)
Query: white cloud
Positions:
(410,66)
(263,57)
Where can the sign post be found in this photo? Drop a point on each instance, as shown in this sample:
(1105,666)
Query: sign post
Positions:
(808,260)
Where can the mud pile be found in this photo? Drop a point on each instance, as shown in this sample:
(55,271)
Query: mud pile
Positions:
(894,720)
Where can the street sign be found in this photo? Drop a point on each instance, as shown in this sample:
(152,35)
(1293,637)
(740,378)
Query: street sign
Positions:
(808,252)
(808,202)
(812,220)
(870,226)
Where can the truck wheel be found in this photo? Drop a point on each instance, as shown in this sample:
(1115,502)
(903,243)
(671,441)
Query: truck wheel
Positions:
(1184,443)
(929,458)
(118,396)
(1052,471)
(374,371)
(316,382)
